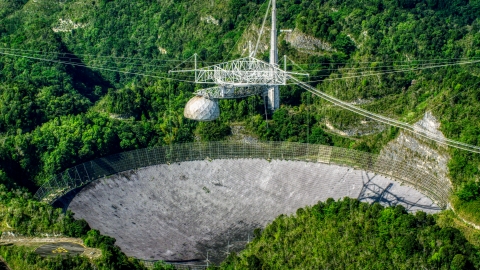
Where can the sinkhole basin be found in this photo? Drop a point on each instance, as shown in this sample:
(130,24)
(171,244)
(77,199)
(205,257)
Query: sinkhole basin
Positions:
(192,210)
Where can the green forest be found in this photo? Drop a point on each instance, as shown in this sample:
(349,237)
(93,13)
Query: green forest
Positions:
(30,218)
(54,116)
(348,234)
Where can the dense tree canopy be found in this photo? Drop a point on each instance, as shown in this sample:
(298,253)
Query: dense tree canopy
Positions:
(54,116)
(348,234)
(95,112)
(22,215)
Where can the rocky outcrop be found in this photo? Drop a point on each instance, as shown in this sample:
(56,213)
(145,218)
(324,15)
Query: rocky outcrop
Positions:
(66,25)
(209,19)
(363,129)
(239,133)
(298,40)
(420,153)
(306,43)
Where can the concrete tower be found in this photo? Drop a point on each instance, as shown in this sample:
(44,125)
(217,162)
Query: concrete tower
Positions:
(273,92)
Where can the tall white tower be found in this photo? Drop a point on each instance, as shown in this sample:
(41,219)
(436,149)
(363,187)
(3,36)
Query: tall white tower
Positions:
(273,92)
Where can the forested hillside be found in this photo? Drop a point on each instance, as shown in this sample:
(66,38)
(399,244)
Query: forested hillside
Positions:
(351,235)
(22,215)
(54,116)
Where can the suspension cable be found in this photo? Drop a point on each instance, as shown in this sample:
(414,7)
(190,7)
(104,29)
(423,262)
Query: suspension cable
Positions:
(422,132)
(92,67)
(397,71)
(263,27)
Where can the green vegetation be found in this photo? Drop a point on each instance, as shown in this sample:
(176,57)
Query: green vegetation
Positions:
(348,234)
(54,116)
(25,216)
(22,215)
(19,257)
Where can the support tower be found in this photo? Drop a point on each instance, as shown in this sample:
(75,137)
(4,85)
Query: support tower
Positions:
(237,79)
(273,91)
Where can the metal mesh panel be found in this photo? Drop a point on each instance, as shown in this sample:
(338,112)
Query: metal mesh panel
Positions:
(180,266)
(80,175)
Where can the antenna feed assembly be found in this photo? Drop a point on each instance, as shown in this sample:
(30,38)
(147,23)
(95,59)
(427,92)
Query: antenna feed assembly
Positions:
(238,78)
(234,79)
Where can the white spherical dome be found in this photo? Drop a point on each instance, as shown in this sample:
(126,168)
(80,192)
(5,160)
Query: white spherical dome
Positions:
(202,109)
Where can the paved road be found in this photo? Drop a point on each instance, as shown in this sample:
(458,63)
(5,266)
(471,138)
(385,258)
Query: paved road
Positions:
(61,248)
(91,253)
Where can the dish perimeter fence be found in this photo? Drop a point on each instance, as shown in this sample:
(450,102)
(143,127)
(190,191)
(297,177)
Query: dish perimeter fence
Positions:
(430,185)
